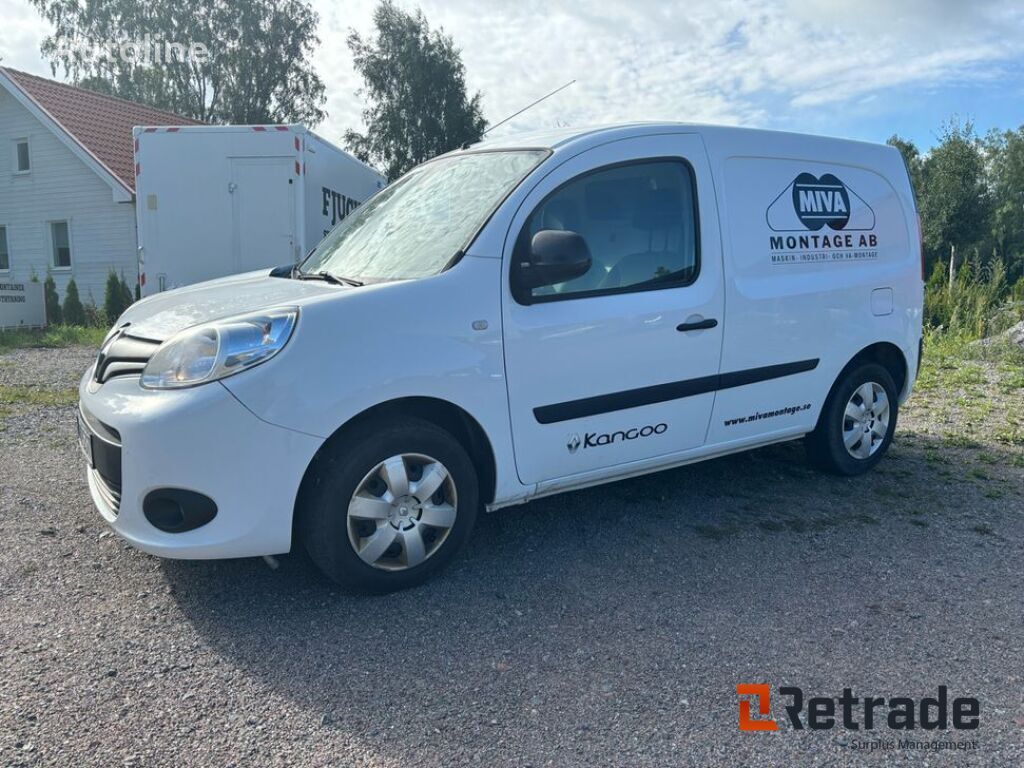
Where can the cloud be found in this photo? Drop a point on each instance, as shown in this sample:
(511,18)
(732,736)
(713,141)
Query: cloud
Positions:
(21,33)
(757,62)
(733,61)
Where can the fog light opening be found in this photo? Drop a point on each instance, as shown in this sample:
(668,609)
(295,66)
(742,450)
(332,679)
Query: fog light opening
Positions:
(176,510)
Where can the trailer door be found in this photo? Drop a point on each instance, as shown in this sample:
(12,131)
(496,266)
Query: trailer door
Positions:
(263,212)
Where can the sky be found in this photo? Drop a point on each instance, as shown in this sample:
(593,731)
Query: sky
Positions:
(863,69)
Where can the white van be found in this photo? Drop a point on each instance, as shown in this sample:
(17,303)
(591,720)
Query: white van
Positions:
(520,318)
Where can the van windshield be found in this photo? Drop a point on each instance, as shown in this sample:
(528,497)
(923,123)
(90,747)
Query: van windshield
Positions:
(414,227)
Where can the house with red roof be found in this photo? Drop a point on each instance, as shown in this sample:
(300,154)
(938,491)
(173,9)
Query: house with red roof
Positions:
(67,182)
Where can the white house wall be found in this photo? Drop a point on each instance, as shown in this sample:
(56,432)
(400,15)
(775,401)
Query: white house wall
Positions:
(60,187)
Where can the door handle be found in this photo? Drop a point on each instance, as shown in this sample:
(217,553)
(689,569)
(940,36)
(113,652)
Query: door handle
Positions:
(700,325)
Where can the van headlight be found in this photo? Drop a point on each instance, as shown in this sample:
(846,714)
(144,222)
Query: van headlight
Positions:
(215,350)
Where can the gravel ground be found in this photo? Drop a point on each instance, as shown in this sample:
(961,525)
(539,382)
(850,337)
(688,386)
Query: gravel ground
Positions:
(607,627)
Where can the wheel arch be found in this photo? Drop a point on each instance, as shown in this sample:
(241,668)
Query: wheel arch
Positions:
(450,417)
(886,354)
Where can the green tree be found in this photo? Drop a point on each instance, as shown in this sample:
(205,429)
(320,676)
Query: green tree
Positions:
(114,303)
(912,158)
(416,85)
(74,312)
(54,316)
(954,202)
(254,65)
(1005,154)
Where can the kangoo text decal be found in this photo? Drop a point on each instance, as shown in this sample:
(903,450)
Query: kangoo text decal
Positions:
(820,219)
(595,439)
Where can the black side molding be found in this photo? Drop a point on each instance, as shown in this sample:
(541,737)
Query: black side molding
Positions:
(661,393)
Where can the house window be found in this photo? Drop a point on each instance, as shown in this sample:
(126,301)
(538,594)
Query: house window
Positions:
(5,255)
(60,237)
(22,159)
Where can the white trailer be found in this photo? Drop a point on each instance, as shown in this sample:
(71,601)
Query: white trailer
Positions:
(217,200)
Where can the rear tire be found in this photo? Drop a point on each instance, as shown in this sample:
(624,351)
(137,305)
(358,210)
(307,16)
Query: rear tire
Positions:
(389,505)
(857,423)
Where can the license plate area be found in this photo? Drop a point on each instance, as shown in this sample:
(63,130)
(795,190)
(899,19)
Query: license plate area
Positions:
(85,440)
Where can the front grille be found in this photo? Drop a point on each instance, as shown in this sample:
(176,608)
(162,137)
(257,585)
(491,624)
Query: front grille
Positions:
(105,442)
(110,493)
(123,355)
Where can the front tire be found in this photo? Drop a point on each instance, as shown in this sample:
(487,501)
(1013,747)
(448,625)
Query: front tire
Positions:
(389,505)
(857,424)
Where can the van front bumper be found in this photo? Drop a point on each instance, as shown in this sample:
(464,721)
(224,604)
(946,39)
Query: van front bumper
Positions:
(200,440)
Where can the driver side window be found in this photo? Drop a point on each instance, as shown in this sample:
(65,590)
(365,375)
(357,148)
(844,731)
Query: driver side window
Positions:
(639,223)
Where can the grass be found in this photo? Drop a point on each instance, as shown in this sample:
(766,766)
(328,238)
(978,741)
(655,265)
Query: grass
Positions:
(1011,375)
(52,337)
(968,373)
(960,440)
(978,387)
(1012,434)
(36,396)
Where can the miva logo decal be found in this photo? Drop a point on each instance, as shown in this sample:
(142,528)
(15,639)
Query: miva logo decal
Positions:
(811,203)
(595,439)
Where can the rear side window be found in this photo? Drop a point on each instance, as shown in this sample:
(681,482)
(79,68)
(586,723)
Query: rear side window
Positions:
(640,224)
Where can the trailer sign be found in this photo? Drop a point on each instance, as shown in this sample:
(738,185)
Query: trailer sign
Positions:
(22,305)
(337,206)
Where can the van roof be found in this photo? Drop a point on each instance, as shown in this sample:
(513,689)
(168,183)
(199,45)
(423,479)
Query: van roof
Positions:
(563,137)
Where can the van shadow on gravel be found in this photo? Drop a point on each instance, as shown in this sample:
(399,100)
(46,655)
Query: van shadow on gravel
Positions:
(557,603)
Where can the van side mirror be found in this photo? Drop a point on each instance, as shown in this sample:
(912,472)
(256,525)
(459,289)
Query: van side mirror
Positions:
(556,256)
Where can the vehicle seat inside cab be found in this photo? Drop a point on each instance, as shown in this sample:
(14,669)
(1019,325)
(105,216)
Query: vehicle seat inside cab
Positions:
(659,214)
(637,221)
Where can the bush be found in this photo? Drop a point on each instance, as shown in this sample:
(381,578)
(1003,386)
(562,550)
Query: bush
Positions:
(129,297)
(53,314)
(117,297)
(1017,292)
(95,317)
(978,304)
(74,312)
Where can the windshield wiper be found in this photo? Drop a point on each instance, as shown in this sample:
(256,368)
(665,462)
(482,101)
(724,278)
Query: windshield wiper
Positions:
(328,277)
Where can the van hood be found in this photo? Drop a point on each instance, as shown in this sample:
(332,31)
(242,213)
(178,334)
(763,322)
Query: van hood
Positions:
(161,316)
